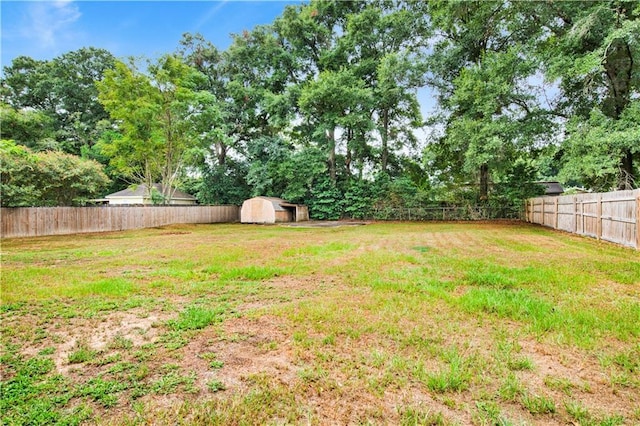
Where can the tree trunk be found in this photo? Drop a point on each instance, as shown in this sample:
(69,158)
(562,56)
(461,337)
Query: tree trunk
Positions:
(331,136)
(626,172)
(385,140)
(221,153)
(484,182)
(618,66)
(349,158)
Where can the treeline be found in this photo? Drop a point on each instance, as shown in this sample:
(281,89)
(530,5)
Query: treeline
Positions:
(321,107)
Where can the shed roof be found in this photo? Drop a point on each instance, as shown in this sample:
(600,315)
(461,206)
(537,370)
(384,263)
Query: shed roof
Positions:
(141,191)
(278,203)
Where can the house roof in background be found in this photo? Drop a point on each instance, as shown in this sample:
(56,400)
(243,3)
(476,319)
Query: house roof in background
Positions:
(141,191)
(552,187)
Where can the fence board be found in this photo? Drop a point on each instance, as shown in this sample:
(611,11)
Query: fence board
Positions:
(611,216)
(42,221)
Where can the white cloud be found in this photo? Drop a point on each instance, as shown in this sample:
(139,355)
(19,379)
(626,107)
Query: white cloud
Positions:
(213,11)
(50,22)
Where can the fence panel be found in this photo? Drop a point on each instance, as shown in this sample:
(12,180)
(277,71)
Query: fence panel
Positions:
(610,216)
(42,221)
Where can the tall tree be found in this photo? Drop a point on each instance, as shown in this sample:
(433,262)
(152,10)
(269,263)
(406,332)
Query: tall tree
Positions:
(482,73)
(592,50)
(384,44)
(160,116)
(64,89)
(335,101)
(313,33)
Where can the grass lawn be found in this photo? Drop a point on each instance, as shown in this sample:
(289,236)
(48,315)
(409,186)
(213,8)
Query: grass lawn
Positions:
(390,323)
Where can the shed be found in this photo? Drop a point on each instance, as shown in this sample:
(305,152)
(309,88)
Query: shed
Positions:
(272,210)
(139,194)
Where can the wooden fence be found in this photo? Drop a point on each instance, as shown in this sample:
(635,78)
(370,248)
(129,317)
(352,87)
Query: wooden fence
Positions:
(610,216)
(41,221)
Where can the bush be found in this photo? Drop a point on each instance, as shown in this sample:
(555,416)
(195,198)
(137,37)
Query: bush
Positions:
(49,178)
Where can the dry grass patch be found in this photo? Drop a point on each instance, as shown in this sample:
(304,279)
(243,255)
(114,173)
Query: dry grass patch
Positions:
(383,324)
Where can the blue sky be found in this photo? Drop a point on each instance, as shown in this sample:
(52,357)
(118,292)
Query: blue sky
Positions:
(46,29)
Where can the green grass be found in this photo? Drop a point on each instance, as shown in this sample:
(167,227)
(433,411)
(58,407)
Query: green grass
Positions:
(395,323)
(196,317)
(538,404)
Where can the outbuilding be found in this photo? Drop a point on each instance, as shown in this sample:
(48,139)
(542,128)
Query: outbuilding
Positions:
(272,210)
(139,195)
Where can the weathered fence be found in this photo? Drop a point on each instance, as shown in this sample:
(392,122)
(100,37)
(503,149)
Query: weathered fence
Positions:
(610,216)
(41,221)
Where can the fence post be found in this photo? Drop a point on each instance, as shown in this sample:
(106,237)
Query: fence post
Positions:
(575,215)
(555,222)
(599,217)
(582,217)
(638,220)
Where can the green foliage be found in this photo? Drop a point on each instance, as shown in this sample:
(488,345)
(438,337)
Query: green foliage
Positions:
(358,200)
(49,178)
(160,116)
(321,107)
(326,201)
(591,154)
(482,68)
(593,51)
(221,184)
(31,128)
(455,378)
(62,90)
(216,385)
(34,395)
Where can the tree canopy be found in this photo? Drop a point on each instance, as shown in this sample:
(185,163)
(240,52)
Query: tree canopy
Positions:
(323,106)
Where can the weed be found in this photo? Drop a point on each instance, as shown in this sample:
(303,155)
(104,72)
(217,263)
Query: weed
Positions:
(120,342)
(252,273)
(538,404)
(215,385)
(105,392)
(195,318)
(173,340)
(82,353)
(489,413)
(311,375)
(170,382)
(511,388)
(455,378)
(520,363)
(559,383)
(628,361)
(110,359)
(422,249)
(410,416)
(47,351)
(214,362)
(578,412)
(581,415)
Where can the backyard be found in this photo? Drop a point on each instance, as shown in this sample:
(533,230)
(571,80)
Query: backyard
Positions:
(388,323)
